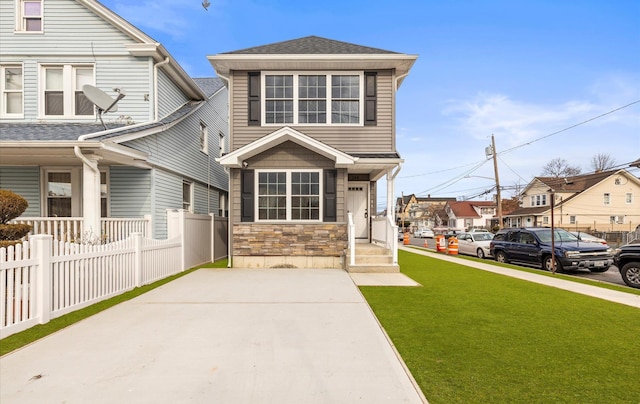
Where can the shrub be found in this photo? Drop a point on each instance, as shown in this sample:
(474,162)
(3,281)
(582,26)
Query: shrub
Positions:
(12,205)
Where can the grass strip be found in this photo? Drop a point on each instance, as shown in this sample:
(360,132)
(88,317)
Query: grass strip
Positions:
(471,336)
(23,338)
(571,278)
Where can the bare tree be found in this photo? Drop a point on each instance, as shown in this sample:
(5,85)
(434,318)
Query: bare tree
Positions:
(602,162)
(559,167)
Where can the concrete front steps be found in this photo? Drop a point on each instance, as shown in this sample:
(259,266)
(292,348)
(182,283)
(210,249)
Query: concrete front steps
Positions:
(371,258)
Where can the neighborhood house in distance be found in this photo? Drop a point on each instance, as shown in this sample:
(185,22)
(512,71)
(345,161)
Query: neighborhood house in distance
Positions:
(156,152)
(605,201)
(312,130)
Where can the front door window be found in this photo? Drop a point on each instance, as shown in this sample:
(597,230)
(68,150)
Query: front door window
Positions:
(59,194)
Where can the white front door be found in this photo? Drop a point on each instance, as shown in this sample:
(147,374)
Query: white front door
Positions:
(357,204)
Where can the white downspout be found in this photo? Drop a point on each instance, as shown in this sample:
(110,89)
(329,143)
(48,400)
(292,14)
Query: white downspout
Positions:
(92,230)
(155,86)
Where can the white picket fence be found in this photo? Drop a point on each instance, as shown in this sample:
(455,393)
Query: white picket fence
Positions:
(43,279)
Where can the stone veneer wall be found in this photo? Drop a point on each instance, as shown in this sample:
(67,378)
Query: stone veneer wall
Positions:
(282,239)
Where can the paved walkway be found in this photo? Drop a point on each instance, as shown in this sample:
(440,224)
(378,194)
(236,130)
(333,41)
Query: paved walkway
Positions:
(628,299)
(220,336)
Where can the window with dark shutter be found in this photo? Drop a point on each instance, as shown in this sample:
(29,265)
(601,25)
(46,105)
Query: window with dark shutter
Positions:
(254,98)
(370,98)
(329,198)
(246,195)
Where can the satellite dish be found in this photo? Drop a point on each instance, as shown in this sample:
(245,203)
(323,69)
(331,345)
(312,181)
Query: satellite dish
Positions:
(102,100)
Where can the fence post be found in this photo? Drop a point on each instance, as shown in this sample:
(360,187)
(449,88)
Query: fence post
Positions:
(182,224)
(212,228)
(41,244)
(149,226)
(137,257)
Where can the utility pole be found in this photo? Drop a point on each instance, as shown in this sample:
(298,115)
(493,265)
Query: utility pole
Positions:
(495,169)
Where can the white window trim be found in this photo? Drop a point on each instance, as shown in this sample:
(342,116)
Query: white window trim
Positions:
(76,188)
(68,90)
(222,144)
(3,91)
(204,138)
(20,27)
(628,198)
(191,195)
(288,196)
(295,75)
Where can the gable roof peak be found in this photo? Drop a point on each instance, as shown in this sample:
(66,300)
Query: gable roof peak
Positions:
(310,45)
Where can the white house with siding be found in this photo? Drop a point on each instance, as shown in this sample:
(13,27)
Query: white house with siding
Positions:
(156,152)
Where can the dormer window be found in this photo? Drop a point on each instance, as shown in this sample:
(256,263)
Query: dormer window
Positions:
(29,16)
(312,98)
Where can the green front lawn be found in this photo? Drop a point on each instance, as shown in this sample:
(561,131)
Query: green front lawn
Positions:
(470,336)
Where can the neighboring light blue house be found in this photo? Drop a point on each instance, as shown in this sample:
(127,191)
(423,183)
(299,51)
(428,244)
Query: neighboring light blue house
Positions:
(158,150)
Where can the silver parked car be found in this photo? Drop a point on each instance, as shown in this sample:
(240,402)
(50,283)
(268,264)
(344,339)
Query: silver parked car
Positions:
(475,243)
(588,238)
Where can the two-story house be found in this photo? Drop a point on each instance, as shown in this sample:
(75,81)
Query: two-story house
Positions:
(468,215)
(312,130)
(156,152)
(603,201)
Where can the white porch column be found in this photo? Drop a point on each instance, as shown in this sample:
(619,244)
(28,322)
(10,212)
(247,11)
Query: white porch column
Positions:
(90,196)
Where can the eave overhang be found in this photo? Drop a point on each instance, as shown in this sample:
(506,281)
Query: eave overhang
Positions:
(236,158)
(224,64)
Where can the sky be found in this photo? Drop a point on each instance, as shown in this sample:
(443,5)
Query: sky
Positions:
(547,78)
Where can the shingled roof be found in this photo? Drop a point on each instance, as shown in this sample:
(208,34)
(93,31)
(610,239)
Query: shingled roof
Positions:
(310,45)
(72,131)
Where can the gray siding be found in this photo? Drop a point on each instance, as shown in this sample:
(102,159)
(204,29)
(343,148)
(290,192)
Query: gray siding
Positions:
(201,195)
(349,139)
(167,189)
(178,148)
(24,181)
(88,39)
(130,192)
(170,97)
(289,155)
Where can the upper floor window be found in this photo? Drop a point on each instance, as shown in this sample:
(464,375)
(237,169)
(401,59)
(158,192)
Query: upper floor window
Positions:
(29,15)
(606,199)
(61,91)
(204,138)
(538,200)
(11,86)
(319,98)
(628,197)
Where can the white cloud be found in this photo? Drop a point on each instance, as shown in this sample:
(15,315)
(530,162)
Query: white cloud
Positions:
(165,16)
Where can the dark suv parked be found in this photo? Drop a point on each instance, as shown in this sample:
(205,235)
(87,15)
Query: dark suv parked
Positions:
(627,259)
(532,246)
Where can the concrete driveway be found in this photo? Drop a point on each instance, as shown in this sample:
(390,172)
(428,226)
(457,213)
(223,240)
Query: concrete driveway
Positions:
(220,336)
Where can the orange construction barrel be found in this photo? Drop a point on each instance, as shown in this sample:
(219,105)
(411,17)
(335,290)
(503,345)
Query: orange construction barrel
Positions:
(453,246)
(441,245)
(406,238)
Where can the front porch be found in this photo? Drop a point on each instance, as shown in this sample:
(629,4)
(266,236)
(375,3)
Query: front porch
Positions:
(72,229)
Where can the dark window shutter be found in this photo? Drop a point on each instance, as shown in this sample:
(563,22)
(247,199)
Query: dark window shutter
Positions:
(370,98)
(247,178)
(254,98)
(329,198)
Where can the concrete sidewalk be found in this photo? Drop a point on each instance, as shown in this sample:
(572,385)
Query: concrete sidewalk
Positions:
(220,336)
(628,299)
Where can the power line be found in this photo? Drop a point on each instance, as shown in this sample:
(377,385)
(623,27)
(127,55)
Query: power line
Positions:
(570,127)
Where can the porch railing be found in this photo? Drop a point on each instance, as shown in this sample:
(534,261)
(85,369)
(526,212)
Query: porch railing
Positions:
(351,234)
(71,229)
(385,232)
